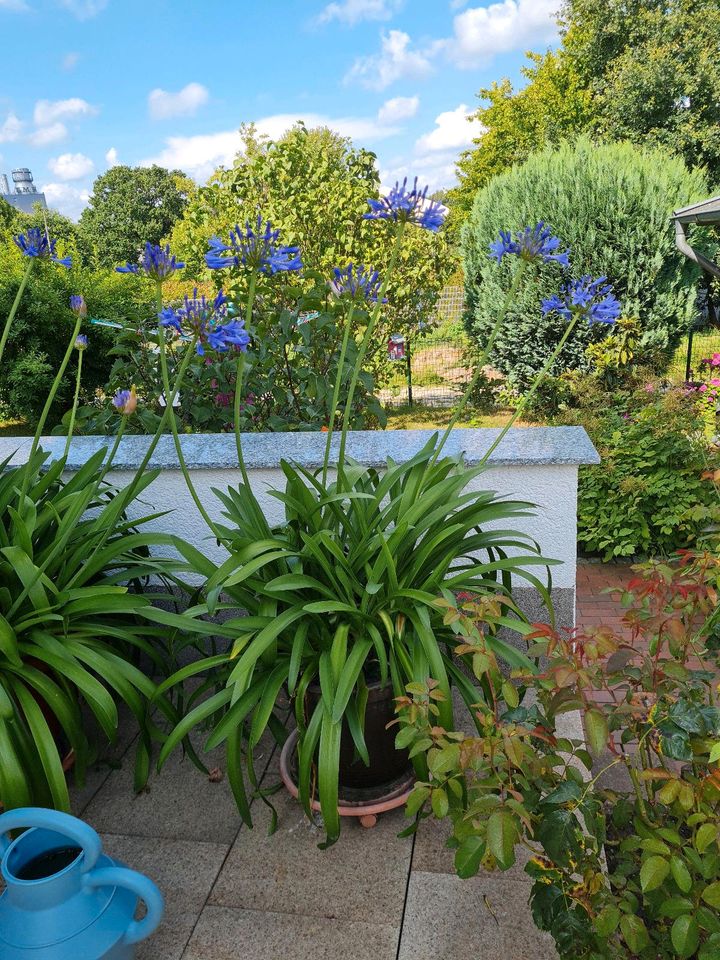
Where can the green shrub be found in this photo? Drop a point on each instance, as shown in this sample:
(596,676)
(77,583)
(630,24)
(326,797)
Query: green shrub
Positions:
(610,204)
(648,495)
(44,323)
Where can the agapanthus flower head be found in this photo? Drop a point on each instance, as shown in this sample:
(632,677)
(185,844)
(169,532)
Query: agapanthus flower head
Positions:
(408,206)
(357,282)
(81,342)
(37,243)
(593,300)
(125,401)
(78,306)
(531,244)
(155,261)
(208,321)
(256,247)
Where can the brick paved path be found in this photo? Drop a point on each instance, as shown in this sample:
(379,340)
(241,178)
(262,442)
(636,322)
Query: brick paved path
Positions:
(593,607)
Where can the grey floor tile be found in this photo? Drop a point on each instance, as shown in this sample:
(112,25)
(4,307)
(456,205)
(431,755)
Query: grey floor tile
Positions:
(362,877)
(180,802)
(184,872)
(454,919)
(226,934)
(110,756)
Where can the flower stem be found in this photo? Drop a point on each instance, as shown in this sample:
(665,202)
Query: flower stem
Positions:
(48,404)
(533,389)
(482,360)
(336,389)
(372,323)
(14,307)
(71,426)
(239,372)
(170,410)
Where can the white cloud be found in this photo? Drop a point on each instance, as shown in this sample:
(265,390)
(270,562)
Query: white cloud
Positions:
(69,200)
(111,157)
(184,103)
(69,61)
(399,108)
(353,11)
(454,130)
(84,9)
(200,155)
(48,111)
(71,166)
(44,136)
(482,32)
(436,171)
(394,61)
(11,129)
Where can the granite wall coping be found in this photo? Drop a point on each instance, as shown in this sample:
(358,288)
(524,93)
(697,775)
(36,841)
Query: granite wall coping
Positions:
(521,446)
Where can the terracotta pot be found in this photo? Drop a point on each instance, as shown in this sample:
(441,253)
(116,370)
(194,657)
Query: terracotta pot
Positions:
(386,763)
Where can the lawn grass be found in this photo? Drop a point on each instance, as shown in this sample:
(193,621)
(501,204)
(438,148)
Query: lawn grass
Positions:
(704,345)
(426,418)
(14,428)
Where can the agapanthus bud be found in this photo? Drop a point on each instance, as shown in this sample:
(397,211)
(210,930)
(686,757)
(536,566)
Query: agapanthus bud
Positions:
(81,342)
(125,401)
(78,306)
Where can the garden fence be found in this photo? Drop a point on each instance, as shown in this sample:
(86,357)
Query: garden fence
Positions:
(431,370)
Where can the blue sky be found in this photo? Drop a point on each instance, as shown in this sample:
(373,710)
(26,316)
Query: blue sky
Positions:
(85,84)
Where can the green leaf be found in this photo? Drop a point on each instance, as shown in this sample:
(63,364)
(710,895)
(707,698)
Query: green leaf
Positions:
(635,932)
(468,857)
(653,873)
(439,803)
(685,936)
(606,922)
(502,834)
(706,835)
(711,894)
(710,950)
(680,874)
(596,729)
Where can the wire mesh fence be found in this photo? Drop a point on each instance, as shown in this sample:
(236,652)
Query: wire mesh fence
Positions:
(430,370)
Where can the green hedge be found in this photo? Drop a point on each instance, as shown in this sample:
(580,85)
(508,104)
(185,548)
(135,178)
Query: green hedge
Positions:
(611,205)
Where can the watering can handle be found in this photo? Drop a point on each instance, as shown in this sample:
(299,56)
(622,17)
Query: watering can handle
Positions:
(138,884)
(62,823)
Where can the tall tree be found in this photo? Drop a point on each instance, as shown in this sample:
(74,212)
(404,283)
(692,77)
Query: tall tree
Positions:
(554,104)
(129,206)
(653,69)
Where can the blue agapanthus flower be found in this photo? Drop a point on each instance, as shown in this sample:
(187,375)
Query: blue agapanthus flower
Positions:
(594,300)
(81,342)
(156,261)
(358,282)
(36,243)
(125,401)
(531,244)
(207,320)
(408,206)
(254,247)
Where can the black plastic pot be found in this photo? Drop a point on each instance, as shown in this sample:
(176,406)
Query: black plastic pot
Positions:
(386,763)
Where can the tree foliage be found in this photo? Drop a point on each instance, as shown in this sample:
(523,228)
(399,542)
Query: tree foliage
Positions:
(653,70)
(553,105)
(610,204)
(646,71)
(130,206)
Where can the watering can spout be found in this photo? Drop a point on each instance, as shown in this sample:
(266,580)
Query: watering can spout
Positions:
(65,898)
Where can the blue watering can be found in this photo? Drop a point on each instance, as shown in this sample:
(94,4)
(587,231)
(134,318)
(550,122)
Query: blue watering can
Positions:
(64,898)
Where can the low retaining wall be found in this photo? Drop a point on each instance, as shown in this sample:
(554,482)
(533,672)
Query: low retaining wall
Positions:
(538,464)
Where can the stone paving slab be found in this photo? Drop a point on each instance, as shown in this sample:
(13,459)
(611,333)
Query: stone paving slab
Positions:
(180,802)
(362,877)
(184,871)
(487,916)
(226,934)
(432,855)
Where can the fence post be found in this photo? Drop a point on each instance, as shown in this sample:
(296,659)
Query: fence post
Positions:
(409,370)
(688,359)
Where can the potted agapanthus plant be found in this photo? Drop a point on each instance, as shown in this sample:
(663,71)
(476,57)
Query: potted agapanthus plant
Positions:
(347,600)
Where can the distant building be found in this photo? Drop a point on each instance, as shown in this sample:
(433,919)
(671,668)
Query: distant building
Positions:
(24,194)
